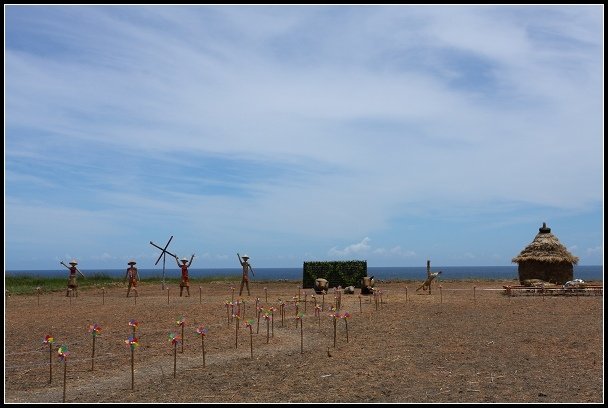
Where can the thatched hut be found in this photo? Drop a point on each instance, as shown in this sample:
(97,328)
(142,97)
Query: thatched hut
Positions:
(546,259)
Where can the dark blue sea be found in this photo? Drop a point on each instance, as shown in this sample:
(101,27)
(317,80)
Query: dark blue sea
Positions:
(585,272)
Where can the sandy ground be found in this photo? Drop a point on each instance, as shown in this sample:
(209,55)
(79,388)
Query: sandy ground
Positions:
(455,345)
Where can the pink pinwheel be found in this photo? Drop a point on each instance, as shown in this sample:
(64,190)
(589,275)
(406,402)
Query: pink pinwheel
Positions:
(133,323)
(202,330)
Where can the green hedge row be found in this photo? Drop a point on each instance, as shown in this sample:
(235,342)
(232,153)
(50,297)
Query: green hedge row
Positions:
(338,273)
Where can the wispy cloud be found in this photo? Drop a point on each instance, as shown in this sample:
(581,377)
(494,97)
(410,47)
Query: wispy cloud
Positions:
(318,124)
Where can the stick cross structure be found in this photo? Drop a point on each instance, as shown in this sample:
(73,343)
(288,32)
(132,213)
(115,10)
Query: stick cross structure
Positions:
(163,255)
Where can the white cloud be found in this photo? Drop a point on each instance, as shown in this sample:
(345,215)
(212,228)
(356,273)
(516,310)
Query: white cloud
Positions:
(358,248)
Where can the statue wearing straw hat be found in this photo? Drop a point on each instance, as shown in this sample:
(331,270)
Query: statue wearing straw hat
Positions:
(72,284)
(132,275)
(185,282)
(246,268)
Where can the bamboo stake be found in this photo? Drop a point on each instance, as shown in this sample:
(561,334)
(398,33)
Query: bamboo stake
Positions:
(103,296)
(266,294)
(167,295)
(200,295)
(360,306)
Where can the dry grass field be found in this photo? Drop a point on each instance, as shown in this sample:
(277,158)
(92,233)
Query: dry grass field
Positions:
(450,346)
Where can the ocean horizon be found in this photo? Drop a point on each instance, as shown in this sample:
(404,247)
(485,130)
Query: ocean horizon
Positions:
(584,272)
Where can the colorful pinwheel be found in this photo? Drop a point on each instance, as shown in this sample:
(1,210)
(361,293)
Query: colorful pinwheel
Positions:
(249,323)
(48,339)
(63,353)
(180,321)
(133,323)
(175,339)
(95,329)
(202,330)
(133,342)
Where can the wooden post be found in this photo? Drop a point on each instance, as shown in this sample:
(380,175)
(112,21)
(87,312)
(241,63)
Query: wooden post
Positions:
(103,296)
(93,355)
(174,359)
(50,363)
(167,295)
(203,344)
(132,368)
(236,337)
(335,330)
(346,323)
(251,340)
(266,294)
(474,296)
(65,375)
(360,306)
(267,328)
(302,335)
(406,293)
(182,337)
(200,295)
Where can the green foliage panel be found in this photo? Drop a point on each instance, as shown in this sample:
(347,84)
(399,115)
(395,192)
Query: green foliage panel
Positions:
(338,273)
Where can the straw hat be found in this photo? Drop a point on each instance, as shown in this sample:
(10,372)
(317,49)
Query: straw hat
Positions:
(245,257)
(132,262)
(184,259)
(73,262)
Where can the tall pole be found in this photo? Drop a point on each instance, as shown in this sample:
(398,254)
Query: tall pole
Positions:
(164,256)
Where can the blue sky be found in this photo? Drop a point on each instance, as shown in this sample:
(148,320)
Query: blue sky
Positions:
(393,134)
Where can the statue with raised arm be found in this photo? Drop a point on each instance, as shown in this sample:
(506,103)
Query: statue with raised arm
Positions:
(246,268)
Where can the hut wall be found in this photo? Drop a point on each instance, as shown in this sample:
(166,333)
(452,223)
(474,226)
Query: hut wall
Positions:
(558,273)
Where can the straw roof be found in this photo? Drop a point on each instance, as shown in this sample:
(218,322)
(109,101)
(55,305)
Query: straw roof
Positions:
(545,248)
